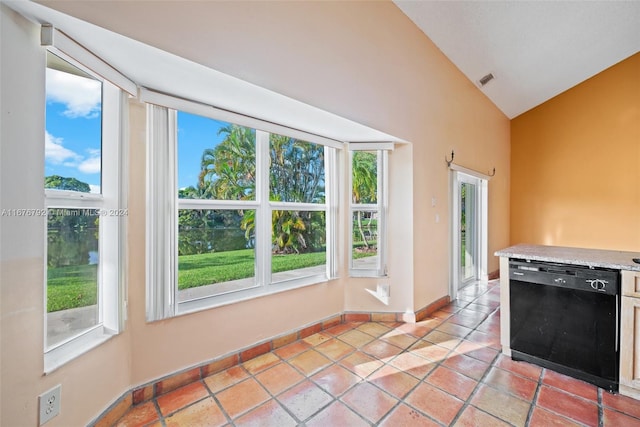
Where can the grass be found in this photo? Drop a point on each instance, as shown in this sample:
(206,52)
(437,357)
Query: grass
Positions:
(72,287)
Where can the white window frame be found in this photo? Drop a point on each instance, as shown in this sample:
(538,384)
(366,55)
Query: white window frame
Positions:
(163,205)
(381,207)
(112,206)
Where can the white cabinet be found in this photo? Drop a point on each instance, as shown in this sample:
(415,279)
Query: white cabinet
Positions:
(630,335)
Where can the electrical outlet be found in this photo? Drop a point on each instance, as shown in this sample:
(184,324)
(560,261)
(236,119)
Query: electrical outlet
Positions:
(383,290)
(49,404)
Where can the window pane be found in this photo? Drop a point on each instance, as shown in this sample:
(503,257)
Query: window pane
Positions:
(364,169)
(365,240)
(215,252)
(72,273)
(216,160)
(73,135)
(296,173)
(299,244)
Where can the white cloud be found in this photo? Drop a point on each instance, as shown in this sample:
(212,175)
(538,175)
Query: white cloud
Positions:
(95,189)
(90,165)
(56,153)
(82,96)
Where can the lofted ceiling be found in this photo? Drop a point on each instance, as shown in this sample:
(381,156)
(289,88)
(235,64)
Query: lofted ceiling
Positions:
(534,49)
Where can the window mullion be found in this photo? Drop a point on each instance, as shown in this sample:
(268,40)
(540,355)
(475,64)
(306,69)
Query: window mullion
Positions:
(263,212)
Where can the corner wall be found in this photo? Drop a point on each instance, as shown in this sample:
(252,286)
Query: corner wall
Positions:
(576,165)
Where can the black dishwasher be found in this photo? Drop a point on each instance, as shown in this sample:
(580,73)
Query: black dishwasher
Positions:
(566,318)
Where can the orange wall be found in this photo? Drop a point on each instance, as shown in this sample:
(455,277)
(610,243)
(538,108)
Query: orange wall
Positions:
(575,165)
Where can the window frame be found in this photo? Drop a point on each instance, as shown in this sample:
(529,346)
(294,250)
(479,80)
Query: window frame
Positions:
(162,281)
(112,205)
(381,207)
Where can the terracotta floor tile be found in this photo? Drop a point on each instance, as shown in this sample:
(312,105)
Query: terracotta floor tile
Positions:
(467,321)
(405,416)
(486,340)
(393,381)
(574,408)
(453,329)
(617,419)
(305,399)
(260,363)
(292,349)
(369,401)
(225,378)
(511,383)
(356,338)
(474,417)
(570,385)
(399,339)
(267,414)
(466,365)
(484,354)
(434,402)
(279,378)
(204,413)
(622,403)
(360,364)
(442,339)
(543,418)
(181,397)
(420,329)
(335,379)
(521,368)
(429,351)
(501,405)
(139,415)
(374,329)
(317,338)
(339,329)
(444,313)
(335,349)
(309,362)
(381,350)
(336,414)
(417,366)
(452,382)
(242,397)
(479,308)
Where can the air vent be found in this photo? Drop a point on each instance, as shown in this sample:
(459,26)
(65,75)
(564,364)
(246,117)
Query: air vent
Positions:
(486,79)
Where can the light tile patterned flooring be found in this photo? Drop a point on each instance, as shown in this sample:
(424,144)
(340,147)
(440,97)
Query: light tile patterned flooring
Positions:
(445,370)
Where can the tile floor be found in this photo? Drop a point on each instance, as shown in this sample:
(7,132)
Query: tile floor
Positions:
(445,370)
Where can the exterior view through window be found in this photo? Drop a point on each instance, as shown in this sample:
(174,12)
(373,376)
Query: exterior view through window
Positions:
(365,210)
(73,146)
(233,212)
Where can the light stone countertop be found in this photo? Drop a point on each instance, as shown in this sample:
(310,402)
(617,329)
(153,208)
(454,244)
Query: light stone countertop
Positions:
(576,256)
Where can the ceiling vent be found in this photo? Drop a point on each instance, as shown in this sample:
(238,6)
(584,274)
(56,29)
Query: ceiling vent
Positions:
(486,79)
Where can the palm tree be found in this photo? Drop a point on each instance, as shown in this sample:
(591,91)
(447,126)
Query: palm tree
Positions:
(365,184)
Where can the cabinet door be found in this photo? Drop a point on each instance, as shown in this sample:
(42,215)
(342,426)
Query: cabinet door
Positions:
(630,346)
(631,283)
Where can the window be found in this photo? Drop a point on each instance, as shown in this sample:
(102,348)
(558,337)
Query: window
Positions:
(84,210)
(252,212)
(368,213)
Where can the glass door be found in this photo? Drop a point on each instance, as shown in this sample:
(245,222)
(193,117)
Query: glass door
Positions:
(467,231)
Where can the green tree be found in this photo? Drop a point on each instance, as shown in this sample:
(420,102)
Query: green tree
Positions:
(58,182)
(365,185)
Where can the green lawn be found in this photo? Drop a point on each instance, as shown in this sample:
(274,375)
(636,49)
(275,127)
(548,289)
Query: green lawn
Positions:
(71,287)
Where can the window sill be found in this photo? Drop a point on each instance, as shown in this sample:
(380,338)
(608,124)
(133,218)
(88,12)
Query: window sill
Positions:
(215,301)
(64,353)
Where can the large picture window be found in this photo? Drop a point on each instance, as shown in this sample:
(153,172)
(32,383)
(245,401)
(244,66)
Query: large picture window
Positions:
(84,213)
(250,207)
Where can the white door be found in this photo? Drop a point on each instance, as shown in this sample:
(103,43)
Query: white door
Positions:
(469,230)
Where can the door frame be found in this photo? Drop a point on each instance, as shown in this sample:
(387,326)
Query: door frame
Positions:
(460,174)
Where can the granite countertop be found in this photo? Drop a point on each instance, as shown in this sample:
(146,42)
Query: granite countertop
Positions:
(577,256)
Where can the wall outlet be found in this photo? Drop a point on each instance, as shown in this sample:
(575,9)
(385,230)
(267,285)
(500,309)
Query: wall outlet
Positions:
(49,404)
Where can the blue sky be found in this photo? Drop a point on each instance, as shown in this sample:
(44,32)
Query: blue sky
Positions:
(73,132)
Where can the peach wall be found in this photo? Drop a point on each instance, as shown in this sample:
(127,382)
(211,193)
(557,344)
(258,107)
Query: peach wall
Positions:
(90,382)
(363,60)
(576,165)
